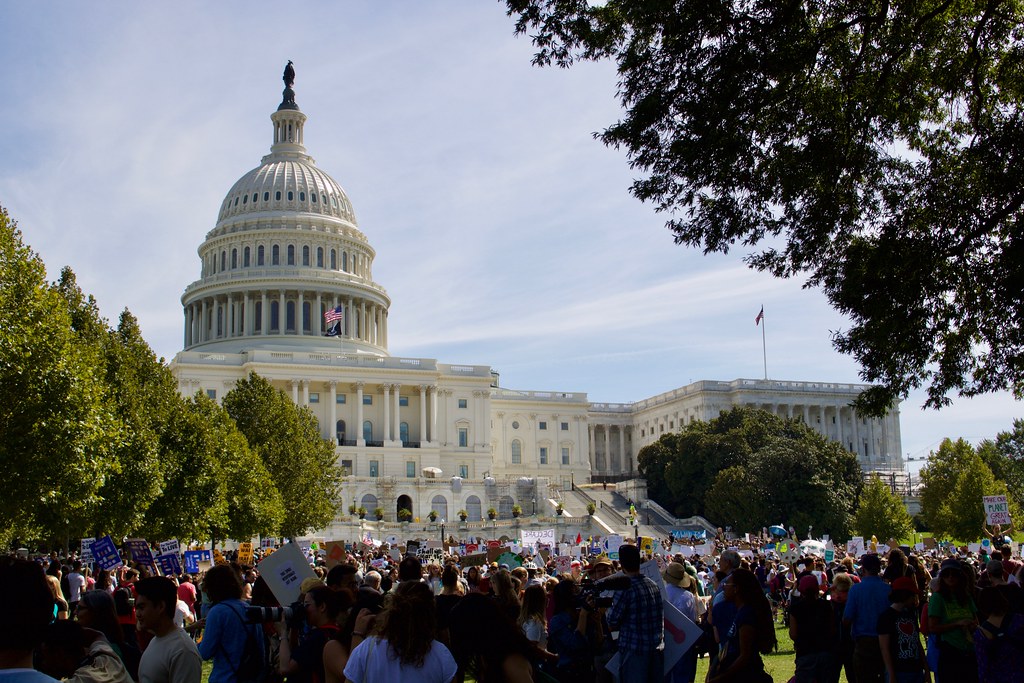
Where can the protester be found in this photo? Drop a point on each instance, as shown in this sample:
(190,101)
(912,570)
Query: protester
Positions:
(999,640)
(567,635)
(403,647)
(28,610)
(751,634)
(96,611)
(227,633)
(304,662)
(639,616)
(812,628)
(952,615)
(680,588)
(842,642)
(865,603)
(487,644)
(899,638)
(171,656)
(69,652)
(531,617)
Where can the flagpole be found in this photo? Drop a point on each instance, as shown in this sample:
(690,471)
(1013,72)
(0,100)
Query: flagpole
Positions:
(764,347)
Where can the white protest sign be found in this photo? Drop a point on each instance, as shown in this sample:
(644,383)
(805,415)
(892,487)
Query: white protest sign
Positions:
(680,635)
(391,540)
(650,570)
(171,547)
(284,572)
(973,547)
(855,546)
(613,543)
(535,537)
(86,555)
(563,563)
(996,510)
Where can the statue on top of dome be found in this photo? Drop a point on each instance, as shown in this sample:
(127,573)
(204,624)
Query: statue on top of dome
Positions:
(289,75)
(288,96)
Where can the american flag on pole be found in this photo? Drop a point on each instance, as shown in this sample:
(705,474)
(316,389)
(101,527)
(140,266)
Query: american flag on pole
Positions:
(760,317)
(333,318)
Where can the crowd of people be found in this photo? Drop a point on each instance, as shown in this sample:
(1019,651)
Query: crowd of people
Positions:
(378,615)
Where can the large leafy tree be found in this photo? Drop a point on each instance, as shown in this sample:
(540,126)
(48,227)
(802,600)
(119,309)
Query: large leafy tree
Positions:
(287,439)
(53,421)
(874,148)
(749,469)
(1004,455)
(881,513)
(953,484)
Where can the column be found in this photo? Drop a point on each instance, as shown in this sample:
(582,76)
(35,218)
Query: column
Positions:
(623,462)
(333,427)
(317,324)
(264,313)
(593,450)
(856,433)
(188,328)
(300,322)
(807,415)
(398,418)
(387,411)
(384,321)
(839,424)
(423,413)
(789,411)
(362,320)
(305,392)
(247,320)
(202,324)
(295,391)
(348,318)
(359,414)
(282,317)
(433,414)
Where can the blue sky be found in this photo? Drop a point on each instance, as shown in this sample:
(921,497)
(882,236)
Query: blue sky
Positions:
(504,232)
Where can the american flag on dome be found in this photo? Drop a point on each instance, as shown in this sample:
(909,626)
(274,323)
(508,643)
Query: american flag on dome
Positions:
(333,318)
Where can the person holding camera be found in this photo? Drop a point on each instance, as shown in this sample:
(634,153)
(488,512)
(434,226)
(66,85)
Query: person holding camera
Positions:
(302,659)
(234,645)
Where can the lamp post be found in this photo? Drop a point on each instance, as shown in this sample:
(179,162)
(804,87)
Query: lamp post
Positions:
(442,533)
(534,507)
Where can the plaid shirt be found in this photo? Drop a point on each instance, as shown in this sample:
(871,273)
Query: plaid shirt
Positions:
(639,616)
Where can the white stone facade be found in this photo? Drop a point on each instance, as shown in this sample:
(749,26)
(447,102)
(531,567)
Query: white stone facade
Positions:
(411,432)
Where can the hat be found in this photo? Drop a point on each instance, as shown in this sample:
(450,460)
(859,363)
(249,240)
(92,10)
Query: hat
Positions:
(575,563)
(600,560)
(906,583)
(676,575)
(309,584)
(530,565)
(503,566)
(808,584)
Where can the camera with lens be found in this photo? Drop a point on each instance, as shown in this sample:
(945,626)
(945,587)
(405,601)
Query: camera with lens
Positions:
(294,615)
(593,594)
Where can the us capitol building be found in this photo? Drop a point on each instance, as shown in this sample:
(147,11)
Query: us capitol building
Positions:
(416,433)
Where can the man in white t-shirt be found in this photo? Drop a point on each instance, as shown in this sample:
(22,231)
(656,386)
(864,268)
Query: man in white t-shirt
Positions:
(76,585)
(171,657)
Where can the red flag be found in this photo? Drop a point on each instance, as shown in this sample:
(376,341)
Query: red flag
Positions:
(579,539)
(760,317)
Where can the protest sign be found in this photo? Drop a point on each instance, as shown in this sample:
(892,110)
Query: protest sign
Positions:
(171,547)
(86,554)
(511,559)
(170,565)
(284,572)
(475,560)
(194,557)
(266,543)
(996,510)
(650,570)
(646,544)
(536,537)
(105,553)
(218,557)
(855,546)
(335,553)
(245,553)
(612,543)
(139,548)
(563,563)
(680,635)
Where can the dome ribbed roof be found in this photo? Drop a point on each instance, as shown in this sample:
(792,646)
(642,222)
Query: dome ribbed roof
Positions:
(287,185)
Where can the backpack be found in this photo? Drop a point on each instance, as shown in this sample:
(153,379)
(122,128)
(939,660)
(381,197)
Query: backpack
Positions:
(250,667)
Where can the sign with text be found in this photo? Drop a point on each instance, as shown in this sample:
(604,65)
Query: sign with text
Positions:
(335,551)
(284,572)
(105,553)
(996,510)
(537,537)
(171,547)
(266,543)
(86,555)
(245,553)
(194,557)
(139,548)
(170,565)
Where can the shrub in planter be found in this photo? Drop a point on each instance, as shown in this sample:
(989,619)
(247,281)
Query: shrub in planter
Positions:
(378,513)
(433,515)
(361,512)
(404,515)
(491,513)
(591,508)
(516,510)
(463,515)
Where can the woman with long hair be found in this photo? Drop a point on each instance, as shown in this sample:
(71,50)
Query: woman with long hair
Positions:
(403,647)
(96,611)
(532,617)
(896,566)
(451,593)
(505,593)
(58,597)
(228,635)
(751,634)
(487,644)
(812,628)
(952,615)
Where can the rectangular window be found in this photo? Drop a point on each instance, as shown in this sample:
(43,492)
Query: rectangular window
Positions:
(463,403)
(565,426)
(410,468)
(517,458)
(464,471)
(347,466)
(543,455)
(403,401)
(314,397)
(374,468)
(211,393)
(542,425)
(463,437)
(340,399)
(565,456)
(367,399)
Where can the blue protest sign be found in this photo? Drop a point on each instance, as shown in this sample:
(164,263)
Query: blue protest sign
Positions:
(139,548)
(194,557)
(105,553)
(169,564)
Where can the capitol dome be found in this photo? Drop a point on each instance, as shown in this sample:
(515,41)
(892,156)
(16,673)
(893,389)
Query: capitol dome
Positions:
(286,266)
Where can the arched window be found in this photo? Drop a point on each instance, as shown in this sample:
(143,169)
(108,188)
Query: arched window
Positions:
(291,254)
(223,260)
(277,196)
(275,316)
(305,254)
(517,452)
(307,319)
(302,196)
(319,257)
(473,512)
(403,432)
(340,430)
(344,261)
(245,257)
(440,505)
(234,259)
(334,259)
(258,317)
(290,316)
(266,196)
(275,255)
(220,321)
(505,504)
(291,195)
(367,431)
(369,501)
(259,255)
